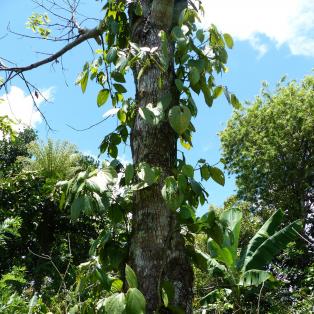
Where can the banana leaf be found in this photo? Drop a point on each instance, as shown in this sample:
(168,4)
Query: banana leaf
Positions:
(271,246)
(254,277)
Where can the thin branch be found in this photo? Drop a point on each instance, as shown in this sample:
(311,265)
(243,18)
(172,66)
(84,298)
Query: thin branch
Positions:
(27,84)
(49,258)
(88,128)
(49,10)
(303,238)
(4,36)
(89,34)
(55,39)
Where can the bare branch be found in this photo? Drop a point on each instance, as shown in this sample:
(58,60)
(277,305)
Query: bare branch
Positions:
(27,84)
(55,39)
(88,34)
(88,128)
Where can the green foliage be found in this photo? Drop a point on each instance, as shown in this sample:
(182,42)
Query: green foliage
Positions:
(55,160)
(12,300)
(11,149)
(9,228)
(35,233)
(248,267)
(39,23)
(274,163)
(6,127)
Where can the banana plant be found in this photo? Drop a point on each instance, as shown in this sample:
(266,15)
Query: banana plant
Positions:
(248,266)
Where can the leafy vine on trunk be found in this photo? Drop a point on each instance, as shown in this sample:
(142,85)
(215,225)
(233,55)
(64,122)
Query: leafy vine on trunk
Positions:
(171,59)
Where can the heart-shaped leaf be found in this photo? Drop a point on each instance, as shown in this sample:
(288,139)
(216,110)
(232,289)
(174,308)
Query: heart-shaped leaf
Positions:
(179,118)
(171,193)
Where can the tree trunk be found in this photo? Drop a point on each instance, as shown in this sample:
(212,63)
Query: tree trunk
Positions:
(157,251)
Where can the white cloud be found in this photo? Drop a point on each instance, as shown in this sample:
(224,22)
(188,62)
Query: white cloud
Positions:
(289,22)
(20,108)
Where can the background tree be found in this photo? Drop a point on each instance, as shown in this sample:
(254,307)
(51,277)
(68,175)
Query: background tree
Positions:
(55,160)
(35,231)
(11,149)
(269,146)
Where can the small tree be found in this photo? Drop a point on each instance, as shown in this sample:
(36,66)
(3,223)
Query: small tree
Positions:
(248,267)
(54,160)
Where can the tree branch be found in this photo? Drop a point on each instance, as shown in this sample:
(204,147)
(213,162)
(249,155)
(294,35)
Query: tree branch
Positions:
(88,34)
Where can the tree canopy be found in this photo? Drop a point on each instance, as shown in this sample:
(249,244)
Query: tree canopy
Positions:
(269,146)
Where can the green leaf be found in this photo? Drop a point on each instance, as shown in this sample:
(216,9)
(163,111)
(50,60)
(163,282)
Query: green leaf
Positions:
(129,173)
(182,182)
(109,173)
(114,304)
(177,33)
(117,285)
(167,292)
(272,246)
(207,95)
(218,91)
(235,102)
(179,118)
(147,115)
(135,302)
(200,35)
(113,151)
(205,173)
(121,116)
(186,213)
(165,100)
(138,9)
(188,171)
(104,278)
(84,81)
(120,88)
(115,214)
(102,97)
(179,84)
(194,76)
(267,230)
(130,277)
(228,40)
(102,239)
(152,114)
(217,175)
(214,295)
(77,207)
(186,144)
(171,194)
(196,187)
(233,218)
(32,303)
(222,254)
(254,277)
(111,55)
(122,62)
(147,173)
(118,76)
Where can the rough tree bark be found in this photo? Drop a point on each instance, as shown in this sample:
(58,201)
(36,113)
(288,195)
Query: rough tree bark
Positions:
(157,251)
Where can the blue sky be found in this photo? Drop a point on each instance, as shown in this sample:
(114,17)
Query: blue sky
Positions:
(272,39)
